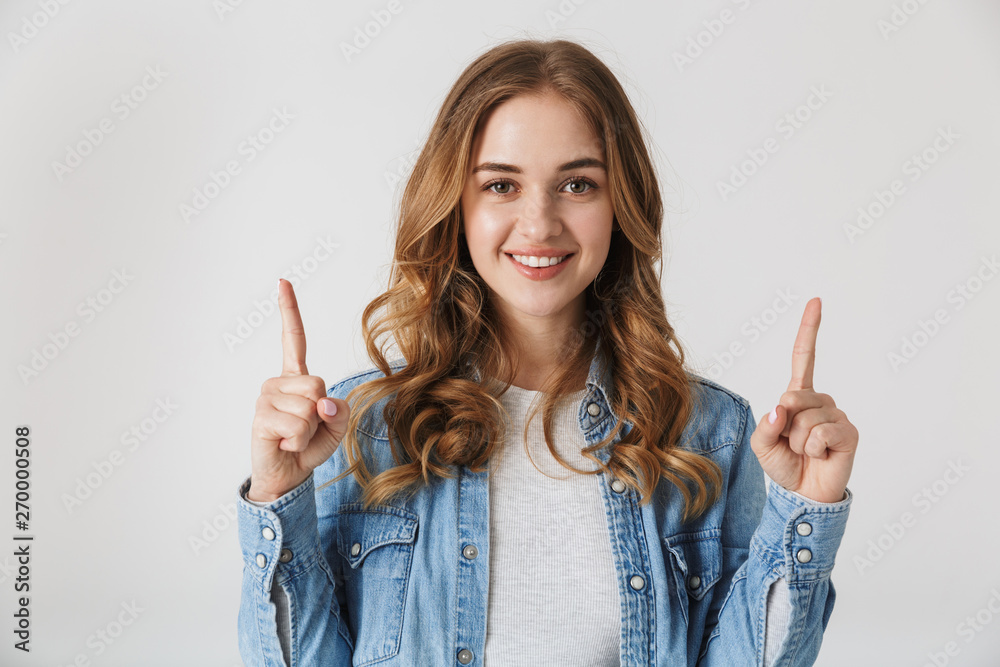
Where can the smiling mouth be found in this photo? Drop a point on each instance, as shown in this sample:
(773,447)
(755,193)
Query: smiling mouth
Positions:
(524,260)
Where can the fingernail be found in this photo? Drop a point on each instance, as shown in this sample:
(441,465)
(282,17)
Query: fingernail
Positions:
(774,415)
(330,408)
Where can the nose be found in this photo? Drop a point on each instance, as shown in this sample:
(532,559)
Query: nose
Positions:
(538,217)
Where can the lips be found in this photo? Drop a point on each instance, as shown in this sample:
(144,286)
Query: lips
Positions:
(540,273)
(539,252)
(549,260)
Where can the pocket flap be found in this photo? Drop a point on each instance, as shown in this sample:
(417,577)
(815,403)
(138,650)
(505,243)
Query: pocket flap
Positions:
(360,530)
(697,559)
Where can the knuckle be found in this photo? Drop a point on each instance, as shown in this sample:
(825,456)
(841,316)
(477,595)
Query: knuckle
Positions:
(258,429)
(789,399)
(296,425)
(318,387)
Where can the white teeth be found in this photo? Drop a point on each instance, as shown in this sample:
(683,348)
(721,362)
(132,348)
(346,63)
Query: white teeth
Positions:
(538,262)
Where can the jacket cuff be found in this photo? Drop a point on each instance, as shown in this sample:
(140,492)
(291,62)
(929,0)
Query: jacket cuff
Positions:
(799,537)
(279,537)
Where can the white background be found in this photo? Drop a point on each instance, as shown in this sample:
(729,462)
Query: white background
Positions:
(357,123)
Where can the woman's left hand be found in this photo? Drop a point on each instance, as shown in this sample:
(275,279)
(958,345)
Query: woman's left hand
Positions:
(809,448)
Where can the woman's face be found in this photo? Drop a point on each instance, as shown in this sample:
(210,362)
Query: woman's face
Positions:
(537,187)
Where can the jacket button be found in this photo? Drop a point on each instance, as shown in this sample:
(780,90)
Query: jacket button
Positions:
(617,486)
(355,549)
(261,560)
(593,409)
(803,555)
(285,556)
(803,529)
(637,582)
(465,656)
(470,551)
(694,581)
(267,533)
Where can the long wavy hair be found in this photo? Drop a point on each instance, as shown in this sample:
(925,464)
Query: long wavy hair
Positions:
(441,412)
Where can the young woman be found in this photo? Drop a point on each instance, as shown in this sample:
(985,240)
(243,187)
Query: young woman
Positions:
(414,514)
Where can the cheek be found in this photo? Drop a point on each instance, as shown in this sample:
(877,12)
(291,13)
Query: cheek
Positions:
(483,233)
(594,229)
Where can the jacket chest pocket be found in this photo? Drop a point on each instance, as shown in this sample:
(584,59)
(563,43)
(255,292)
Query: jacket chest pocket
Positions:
(696,563)
(377,547)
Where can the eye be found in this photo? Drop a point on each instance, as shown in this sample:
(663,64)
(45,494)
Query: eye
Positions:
(582,181)
(501,182)
(581,186)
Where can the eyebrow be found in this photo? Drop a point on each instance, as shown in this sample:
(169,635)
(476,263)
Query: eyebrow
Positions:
(513,169)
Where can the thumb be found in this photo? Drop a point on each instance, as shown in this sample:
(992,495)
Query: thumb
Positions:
(335,423)
(768,432)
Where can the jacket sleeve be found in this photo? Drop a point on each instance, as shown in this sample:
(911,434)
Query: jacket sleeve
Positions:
(289,556)
(283,546)
(796,539)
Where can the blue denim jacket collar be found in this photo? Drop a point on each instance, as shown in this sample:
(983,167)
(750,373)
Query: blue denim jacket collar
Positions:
(599,378)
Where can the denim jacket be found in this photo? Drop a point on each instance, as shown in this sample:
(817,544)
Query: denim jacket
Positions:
(406,583)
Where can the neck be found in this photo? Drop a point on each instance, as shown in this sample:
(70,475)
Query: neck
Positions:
(544,345)
(544,357)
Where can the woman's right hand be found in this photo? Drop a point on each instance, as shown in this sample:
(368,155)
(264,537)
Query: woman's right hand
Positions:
(291,433)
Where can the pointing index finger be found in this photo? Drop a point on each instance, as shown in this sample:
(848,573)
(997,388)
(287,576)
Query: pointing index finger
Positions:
(293,335)
(804,351)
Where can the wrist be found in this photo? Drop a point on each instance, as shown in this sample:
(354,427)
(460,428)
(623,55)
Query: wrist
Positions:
(260,497)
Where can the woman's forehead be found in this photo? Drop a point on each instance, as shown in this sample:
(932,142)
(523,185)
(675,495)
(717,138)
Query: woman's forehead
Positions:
(529,133)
